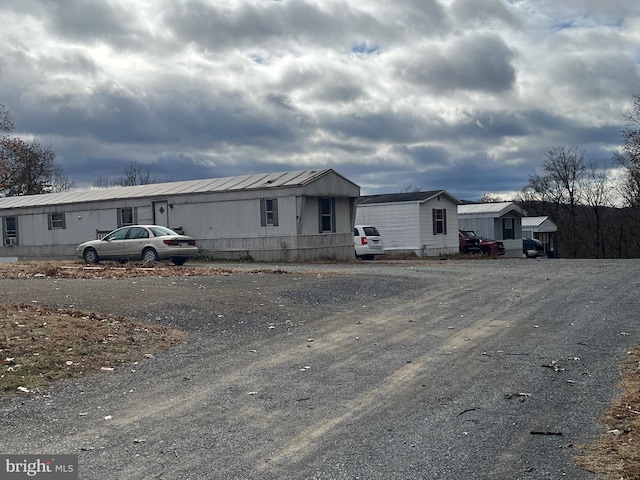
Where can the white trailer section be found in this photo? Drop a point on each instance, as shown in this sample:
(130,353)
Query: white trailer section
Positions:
(424,223)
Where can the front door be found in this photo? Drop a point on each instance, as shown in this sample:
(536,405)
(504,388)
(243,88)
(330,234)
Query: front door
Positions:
(160,213)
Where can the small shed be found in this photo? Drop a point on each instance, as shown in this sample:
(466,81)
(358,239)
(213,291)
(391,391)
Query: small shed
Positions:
(285,216)
(425,223)
(544,230)
(497,221)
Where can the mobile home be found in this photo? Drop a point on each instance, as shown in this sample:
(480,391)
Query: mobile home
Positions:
(285,216)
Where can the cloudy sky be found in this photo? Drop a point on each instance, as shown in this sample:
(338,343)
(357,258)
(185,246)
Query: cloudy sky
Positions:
(461,95)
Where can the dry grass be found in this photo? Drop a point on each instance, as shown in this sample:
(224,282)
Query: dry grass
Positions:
(616,453)
(39,346)
(58,269)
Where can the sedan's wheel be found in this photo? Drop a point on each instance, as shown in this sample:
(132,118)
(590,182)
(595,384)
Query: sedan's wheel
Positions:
(90,256)
(178,260)
(149,255)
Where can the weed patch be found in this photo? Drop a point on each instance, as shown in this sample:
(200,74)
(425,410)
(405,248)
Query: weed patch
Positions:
(39,346)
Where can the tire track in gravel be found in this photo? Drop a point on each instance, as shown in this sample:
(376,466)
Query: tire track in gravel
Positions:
(441,337)
(410,321)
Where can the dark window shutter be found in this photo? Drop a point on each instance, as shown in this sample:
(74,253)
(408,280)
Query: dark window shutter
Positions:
(433,219)
(444,220)
(333,214)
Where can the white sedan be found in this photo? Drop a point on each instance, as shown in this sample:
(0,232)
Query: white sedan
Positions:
(134,242)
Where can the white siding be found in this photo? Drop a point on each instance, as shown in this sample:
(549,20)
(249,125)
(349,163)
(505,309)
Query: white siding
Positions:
(225,222)
(484,226)
(434,245)
(408,226)
(397,223)
(233,219)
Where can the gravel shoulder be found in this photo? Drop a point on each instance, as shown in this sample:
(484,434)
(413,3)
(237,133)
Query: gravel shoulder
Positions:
(368,370)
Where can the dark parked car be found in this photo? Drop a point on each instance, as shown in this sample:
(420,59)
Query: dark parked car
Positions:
(469,242)
(532,248)
(472,243)
(492,247)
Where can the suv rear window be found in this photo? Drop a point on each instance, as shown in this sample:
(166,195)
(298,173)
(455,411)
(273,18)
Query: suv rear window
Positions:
(371,231)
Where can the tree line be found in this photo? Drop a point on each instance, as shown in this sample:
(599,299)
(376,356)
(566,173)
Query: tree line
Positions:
(596,205)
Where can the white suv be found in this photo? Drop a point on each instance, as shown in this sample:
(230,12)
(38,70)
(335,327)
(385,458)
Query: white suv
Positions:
(368,241)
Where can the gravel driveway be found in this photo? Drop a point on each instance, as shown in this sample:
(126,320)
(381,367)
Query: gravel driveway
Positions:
(372,370)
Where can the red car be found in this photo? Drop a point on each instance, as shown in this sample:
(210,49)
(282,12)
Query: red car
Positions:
(469,242)
(472,243)
(491,247)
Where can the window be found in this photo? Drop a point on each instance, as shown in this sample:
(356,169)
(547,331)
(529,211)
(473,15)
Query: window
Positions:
(120,234)
(269,212)
(10,230)
(508,229)
(126,216)
(137,232)
(439,216)
(326,211)
(57,221)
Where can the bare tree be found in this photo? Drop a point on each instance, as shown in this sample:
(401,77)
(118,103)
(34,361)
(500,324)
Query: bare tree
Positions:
(629,187)
(596,188)
(629,158)
(134,174)
(60,181)
(27,167)
(559,187)
(491,198)
(101,182)
(631,135)
(6,124)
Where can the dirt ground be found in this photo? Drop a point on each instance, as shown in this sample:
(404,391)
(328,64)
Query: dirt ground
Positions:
(617,452)
(40,346)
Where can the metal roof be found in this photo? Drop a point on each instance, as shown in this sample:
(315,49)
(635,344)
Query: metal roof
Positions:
(210,185)
(533,221)
(405,197)
(543,224)
(497,209)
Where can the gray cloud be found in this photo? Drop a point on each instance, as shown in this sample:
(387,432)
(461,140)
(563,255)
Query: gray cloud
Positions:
(468,63)
(485,13)
(466,96)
